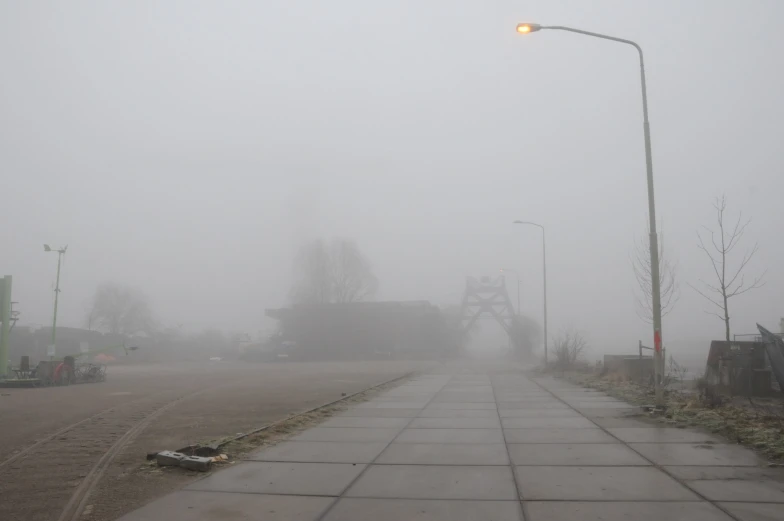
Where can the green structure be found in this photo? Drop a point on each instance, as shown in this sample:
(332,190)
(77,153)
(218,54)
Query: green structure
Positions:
(5,326)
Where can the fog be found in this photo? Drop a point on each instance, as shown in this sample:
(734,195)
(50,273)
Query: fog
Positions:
(188,148)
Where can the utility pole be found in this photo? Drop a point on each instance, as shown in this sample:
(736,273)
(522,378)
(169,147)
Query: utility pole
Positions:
(60,254)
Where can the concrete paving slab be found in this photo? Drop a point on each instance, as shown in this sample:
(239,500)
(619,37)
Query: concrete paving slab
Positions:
(366,422)
(450,436)
(538,413)
(463,399)
(600,484)
(602,405)
(461,405)
(521,398)
(347,434)
(662,435)
(623,511)
(538,404)
(435,482)
(697,454)
(423,510)
(756,511)
(392,405)
(558,436)
(739,490)
(484,389)
(209,506)
(407,398)
(615,422)
(455,423)
(547,423)
(458,413)
(727,473)
(444,454)
(306,479)
(583,454)
(381,413)
(321,452)
(515,397)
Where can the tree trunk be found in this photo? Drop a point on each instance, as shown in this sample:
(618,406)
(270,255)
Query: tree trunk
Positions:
(726,317)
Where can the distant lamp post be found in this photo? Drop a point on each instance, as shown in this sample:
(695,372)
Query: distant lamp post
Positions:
(517,276)
(60,254)
(526,28)
(544,275)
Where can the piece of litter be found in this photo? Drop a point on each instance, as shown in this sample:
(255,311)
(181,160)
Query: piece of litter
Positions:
(169,458)
(196,463)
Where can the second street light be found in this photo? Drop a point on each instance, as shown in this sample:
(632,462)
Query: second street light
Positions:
(544,277)
(527,28)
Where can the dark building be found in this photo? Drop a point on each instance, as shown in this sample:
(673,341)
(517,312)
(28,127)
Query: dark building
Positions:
(365,330)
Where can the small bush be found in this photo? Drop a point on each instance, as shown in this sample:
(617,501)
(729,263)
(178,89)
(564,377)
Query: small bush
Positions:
(567,348)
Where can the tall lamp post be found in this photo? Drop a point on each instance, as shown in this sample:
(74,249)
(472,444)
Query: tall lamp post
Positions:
(60,254)
(544,275)
(526,28)
(517,276)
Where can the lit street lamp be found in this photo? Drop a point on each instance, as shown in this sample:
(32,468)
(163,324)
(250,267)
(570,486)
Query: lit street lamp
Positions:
(544,274)
(526,28)
(60,254)
(517,276)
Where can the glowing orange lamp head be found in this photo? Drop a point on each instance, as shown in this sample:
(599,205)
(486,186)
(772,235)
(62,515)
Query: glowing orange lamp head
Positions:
(525,28)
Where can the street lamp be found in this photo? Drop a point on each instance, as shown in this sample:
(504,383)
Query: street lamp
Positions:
(517,276)
(525,28)
(60,254)
(544,275)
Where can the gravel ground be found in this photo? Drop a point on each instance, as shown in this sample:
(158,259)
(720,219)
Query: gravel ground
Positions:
(142,409)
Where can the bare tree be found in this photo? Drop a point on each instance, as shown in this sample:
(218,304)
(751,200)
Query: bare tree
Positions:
(567,347)
(120,310)
(337,272)
(312,266)
(352,277)
(643,271)
(730,281)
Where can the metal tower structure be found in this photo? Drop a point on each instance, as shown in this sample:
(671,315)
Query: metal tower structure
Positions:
(486,298)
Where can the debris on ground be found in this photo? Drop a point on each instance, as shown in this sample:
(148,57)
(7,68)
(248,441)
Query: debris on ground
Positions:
(168,458)
(196,463)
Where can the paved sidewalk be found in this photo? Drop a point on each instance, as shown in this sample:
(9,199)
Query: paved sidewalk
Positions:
(481,447)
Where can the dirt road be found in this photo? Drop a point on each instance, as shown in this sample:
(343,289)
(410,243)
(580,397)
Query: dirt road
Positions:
(81,449)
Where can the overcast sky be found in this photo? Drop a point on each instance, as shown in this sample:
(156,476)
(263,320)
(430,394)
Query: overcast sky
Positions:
(188,147)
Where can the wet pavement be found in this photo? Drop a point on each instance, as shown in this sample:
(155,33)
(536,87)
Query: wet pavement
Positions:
(474,446)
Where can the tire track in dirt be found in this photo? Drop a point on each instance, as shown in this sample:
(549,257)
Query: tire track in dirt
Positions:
(7,462)
(61,469)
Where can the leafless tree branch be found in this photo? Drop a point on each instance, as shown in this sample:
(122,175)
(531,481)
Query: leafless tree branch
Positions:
(669,289)
(724,242)
(707,297)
